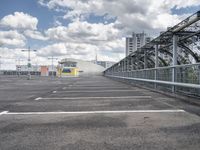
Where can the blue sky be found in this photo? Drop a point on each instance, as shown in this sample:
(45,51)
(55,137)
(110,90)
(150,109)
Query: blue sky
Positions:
(180,11)
(45,16)
(31,7)
(80,29)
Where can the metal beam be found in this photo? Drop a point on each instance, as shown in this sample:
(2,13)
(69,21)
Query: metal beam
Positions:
(174,60)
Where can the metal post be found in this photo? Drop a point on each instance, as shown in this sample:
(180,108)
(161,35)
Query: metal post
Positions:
(124,67)
(52,64)
(29,61)
(156,65)
(18,64)
(145,59)
(127,70)
(174,61)
(132,66)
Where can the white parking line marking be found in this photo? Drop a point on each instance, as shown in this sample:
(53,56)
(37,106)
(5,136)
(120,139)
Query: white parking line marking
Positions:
(36,99)
(88,87)
(93,112)
(3,112)
(99,91)
(119,97)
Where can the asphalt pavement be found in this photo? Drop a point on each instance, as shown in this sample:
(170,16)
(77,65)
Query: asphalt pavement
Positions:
(92,113)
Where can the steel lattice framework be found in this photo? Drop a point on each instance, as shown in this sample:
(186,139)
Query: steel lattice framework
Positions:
(187,36)
(181,45)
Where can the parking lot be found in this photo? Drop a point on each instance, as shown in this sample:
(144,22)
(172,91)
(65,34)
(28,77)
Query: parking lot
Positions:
(92,113)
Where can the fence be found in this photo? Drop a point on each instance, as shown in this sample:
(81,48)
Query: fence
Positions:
(184,79)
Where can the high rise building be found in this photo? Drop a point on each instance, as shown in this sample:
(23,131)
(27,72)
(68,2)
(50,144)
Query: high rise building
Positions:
(136,42)
(129,45)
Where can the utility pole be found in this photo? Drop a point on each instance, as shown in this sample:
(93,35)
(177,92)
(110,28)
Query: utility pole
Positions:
(18,64)
(29,60)
(52,64)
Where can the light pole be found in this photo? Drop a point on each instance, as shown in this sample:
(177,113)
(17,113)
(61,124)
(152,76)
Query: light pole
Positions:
(52,59)
(29,60)
(18,64)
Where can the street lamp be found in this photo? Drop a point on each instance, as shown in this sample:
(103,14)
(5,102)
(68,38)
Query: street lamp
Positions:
(18,65)
(52,59)
(29,60)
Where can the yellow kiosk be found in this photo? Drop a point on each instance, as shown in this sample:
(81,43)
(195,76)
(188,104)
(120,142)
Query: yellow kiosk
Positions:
(67,69)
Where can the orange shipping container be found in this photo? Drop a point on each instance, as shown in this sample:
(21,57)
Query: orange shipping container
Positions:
(44,71)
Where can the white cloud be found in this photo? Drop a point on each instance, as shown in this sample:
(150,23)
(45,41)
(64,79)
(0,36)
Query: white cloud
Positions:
(19,20)
(83,39)
(84,32)
(132,15)
(12,38)
(35,35)
(57,23)
(83,51)
(10,58)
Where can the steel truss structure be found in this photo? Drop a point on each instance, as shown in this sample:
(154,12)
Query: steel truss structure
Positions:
(180,44)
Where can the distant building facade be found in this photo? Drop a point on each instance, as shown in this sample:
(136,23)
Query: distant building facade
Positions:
(26,68)
(136,42)
(37,69)
(75,67)
(105,64)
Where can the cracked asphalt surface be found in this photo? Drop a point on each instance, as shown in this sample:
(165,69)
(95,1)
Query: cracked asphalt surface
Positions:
(97,131)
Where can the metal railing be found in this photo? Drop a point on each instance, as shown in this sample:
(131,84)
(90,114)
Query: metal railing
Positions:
(187,78)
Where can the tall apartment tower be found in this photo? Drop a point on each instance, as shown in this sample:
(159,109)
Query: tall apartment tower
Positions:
(129,45)
(136,41)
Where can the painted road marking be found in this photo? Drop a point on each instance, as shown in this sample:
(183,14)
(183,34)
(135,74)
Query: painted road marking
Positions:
(86,87)
(99,91)
(54,92)
(92,112)
(119,97)
(96,86)
(36,99)
(3,112)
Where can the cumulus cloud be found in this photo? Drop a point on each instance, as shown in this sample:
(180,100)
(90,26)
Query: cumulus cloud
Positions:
(35,35)
(67,49)
(10,57)
(19,20)
(84,32)
(12,37)
(84,38)
(133,15)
